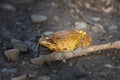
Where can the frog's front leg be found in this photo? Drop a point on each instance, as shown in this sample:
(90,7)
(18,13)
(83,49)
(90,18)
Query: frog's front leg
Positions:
(49,45)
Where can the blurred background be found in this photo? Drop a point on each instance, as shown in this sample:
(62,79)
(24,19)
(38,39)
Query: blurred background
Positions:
(23,21)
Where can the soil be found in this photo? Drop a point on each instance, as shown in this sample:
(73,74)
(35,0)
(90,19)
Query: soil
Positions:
(62,14)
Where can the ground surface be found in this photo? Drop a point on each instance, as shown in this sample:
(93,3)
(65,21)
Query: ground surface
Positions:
(17,24)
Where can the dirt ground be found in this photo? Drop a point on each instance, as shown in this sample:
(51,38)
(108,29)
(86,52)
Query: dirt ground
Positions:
(16,23)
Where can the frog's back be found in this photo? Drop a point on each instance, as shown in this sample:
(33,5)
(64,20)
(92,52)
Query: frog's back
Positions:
(66,40)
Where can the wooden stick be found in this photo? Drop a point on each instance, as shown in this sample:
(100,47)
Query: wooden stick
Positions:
(78,52)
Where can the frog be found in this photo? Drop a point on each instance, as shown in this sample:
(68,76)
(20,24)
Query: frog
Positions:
(66,40)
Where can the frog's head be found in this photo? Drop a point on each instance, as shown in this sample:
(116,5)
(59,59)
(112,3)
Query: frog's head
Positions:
(47,42)
(43,38)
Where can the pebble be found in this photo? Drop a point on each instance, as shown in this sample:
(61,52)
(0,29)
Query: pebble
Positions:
(108,65)
(54,71)
(72,10)
(64,61)
(21,46)
(113,67)
(9,70)
(108,10)
(32,45)
(44,78)
(53,4)
(96,19)
(81,25)
(38,18)
(70,64)
(102,74)
(56,18)
(113,27)
(47,33)
(22,1)
(24,63)
(12,54)
(82,79)
(98,29)
(21,77)
(31,75)
(8,7)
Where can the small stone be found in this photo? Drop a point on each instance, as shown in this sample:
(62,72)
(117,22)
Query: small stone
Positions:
(98,29)
(75,16)
(21,46)
(89,72)
(23,62)
(32,45)
(54,71)
(82,79)
(53,4)
(96,19)
(87,5)
(44,78)
(64,60)
(108,10)
(22,77)
(22,1)
(56,18)
(47,33)
(70,64)
(78,70)
(8,7)
(12,54)
(72,11)
(108,65)
(117,61)
(38,18)
(113,27)
(102,74)
(81,25)
(9,70)
(31,76)
(117,67)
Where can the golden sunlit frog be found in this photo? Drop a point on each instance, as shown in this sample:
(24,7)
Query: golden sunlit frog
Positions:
(66,40)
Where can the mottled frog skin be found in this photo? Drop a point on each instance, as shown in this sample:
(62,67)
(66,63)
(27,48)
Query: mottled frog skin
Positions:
(66,40)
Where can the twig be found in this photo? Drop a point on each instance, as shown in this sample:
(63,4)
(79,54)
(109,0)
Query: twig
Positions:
(88,21)
(78,52)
